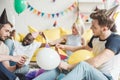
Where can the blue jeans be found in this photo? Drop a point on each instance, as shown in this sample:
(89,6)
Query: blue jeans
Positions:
(5,74)
(10,44)
(83,71)
(23,70)
(48,75)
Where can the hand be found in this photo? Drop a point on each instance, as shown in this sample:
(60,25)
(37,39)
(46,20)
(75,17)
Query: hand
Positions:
(51,43)
(18,59)
(40,32)
(43,35)
(19,65)
(60,46)
(64,65)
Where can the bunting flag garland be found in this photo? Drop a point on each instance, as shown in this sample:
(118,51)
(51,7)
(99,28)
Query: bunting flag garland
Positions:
(51,15)
(85,18)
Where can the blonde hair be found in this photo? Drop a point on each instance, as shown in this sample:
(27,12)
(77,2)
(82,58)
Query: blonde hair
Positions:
(79,27)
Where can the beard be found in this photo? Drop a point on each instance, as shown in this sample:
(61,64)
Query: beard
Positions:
(1,39)
(25,44)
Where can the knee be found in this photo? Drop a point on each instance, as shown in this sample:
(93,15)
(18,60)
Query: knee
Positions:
(9,43)
(84,65)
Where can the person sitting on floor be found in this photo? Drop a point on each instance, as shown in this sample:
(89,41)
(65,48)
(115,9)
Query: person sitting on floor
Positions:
(26,48)
(104,44)
(5,71)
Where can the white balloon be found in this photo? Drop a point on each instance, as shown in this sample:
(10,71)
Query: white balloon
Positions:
(48,59)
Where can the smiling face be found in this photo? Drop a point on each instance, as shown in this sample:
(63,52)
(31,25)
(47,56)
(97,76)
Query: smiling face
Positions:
(96,28)
(101,23)
(5,31)
(28,39)
(75,30)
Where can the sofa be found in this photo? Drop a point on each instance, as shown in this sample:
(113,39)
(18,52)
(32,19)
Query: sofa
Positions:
(52,34)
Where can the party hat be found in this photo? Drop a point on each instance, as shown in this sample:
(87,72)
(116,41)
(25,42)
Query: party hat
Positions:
(3,18)
(111,11)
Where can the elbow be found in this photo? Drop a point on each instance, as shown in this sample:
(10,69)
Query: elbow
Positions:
(92,63)
(95,65)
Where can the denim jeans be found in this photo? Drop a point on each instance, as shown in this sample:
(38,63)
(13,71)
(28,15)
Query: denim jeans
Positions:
(83,71)
(23,70)
(48,75)
(5,74)
(10,44)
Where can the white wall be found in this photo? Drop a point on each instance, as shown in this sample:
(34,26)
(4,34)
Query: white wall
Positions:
(28,18)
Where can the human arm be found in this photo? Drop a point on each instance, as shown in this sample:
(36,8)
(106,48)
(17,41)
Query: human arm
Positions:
(101,58)
(60,40)
(96,61)
(111,49)
(65,65)
(83,41)
(72,48)
(7,58)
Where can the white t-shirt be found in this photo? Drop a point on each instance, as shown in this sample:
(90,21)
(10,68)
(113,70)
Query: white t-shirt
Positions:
(3,48)
(26,50)
(73,40)
(112,43)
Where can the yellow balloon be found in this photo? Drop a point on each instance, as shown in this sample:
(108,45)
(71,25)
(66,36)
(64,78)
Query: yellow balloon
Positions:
(79,56)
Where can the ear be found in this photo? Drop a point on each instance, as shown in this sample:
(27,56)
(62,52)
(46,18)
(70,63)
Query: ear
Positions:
(105,28)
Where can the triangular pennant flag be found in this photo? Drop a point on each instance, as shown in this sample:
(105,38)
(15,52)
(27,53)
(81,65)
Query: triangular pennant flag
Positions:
(53,0)
(62,13)
(48,15)
(31,8)
(42,14)
(53,15)
(104,0)
(57,14)
(28,6)
(55,23)
(38,13)
(35,11)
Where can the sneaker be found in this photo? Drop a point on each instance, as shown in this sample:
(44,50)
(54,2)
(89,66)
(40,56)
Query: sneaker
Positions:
(17,78)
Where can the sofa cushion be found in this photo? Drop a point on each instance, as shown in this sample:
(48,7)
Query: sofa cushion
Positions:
(87,35)
(21,36)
